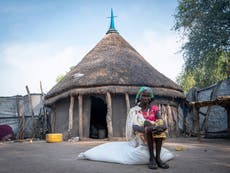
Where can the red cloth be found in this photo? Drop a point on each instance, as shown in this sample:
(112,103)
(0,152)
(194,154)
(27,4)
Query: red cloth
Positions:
(151,114)
(5,130)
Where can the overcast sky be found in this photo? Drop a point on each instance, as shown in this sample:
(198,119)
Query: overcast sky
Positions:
(41,39)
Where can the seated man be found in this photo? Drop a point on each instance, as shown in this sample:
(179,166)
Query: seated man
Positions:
(149,125)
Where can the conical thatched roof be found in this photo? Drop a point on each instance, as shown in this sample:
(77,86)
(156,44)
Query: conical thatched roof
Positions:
(116,66)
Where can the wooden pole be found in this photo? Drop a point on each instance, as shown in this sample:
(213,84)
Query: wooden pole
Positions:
(196,121)
(127,102)
(53,118)
(41,88)
(20,134)
(71,107)
(32,111)
(80,109)
(17,106)
(19,118)
(196,115)
(170,121)
(164,114)
(109,115)
(127,111)
(22,113)
(228,114)
(220,100)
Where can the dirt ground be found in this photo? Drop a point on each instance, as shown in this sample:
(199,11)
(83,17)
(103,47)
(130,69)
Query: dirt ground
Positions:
(209,155)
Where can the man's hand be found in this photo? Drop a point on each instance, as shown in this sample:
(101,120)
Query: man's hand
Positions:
(160,129)
(149,129)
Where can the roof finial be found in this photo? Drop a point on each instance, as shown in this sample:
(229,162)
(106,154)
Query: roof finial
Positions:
(112,26)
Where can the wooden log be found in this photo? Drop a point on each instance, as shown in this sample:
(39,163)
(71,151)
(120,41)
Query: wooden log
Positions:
(175,119)
(21,121)
(20,118)
(202,103)
(80,109)
(109,115)
(181,119)
(170,121)
(127,102)
(221,100)
(164,114)
(196,121)
(17,107)
(22,113)
(41,88)
(228,114)
(53,118)
(172,116)
(196,116)
(71,107)
(32,111)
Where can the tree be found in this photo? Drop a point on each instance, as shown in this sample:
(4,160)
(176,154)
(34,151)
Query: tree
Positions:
(205,24)
(61,76)
(203,75)
(186,80)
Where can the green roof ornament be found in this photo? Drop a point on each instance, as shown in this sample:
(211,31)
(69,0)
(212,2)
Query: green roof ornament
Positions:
(112,25)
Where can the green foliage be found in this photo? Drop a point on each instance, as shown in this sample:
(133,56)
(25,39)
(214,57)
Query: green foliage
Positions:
(206,26)
(186,81)
(59,78)
(206,74)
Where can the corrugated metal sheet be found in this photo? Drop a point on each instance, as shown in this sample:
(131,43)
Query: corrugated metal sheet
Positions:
(217,119)
(10,106)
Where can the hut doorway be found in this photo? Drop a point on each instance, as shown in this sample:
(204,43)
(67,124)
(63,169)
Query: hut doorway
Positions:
(98,124)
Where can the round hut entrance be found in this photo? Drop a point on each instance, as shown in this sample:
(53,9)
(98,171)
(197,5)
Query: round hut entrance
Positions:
(98,125)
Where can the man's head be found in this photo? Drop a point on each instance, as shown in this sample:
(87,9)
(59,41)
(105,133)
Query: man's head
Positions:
(144,95)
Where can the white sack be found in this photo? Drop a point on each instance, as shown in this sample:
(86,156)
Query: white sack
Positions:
(122,152)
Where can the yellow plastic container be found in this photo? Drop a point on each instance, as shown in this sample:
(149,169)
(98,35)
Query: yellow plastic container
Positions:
(179,148)
(54,137)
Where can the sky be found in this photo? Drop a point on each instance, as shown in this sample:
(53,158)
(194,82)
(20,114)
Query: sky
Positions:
(42,39)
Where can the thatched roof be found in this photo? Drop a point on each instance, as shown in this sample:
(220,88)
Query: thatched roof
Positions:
(113,62)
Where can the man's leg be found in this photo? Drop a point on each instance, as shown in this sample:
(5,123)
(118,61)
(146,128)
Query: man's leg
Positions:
(158,152)
(152,160)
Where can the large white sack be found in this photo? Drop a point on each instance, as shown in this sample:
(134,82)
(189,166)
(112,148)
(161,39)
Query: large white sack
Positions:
(122,152)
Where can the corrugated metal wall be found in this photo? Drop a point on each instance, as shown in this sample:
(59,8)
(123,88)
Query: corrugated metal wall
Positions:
(217,119)
(11,107)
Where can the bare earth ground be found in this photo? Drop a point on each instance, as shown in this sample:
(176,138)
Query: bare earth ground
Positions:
(209,155)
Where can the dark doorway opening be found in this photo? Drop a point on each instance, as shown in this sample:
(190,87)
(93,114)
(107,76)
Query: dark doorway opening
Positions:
(98,124)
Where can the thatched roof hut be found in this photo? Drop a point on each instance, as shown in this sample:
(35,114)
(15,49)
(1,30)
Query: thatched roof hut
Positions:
(116,66)
(112,71)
